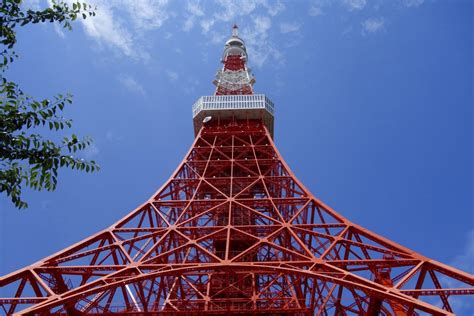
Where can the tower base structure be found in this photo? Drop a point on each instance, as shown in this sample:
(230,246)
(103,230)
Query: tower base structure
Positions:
(233,232)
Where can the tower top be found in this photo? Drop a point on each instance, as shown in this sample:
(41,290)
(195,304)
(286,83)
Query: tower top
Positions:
(234,98)
(235,46)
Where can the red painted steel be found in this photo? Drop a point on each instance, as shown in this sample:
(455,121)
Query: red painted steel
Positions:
(234,232)
(235,64)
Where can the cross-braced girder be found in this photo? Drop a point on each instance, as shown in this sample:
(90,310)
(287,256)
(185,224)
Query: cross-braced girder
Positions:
(234,232)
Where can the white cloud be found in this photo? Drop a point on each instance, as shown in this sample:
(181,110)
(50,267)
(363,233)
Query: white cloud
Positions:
(131,84)
(317,6)
(372,25)
(315,11)
(31,4)
(194,10)
(231,9)
(465,261)
(207,24)
(274,8)
(111,136)
(192,84)
(462,305)
(413,3)
(188,24)
(288,27)
(218,38)
(172,75)
(259,45)
(91,151)
(145,14)
(59,30)
(108,30)
(120,24)
(262,25)
(354,5)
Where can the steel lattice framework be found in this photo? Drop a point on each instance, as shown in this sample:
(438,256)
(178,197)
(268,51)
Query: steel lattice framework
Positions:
(234,232)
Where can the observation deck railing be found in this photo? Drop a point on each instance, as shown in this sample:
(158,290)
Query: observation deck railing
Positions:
(233,102)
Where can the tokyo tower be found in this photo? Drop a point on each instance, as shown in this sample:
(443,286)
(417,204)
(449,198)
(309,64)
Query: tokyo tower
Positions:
(233,232)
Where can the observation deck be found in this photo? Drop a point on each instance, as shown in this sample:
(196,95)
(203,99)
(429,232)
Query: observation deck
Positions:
(238,107)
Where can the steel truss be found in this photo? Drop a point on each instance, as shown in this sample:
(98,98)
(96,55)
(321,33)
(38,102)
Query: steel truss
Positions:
(234,232)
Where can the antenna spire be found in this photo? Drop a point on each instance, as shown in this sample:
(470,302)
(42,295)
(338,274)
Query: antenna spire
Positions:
(235,31)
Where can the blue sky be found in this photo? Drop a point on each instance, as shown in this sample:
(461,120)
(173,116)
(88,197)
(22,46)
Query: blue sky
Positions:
(373,111)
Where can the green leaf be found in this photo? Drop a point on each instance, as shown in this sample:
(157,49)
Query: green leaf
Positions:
(33,159)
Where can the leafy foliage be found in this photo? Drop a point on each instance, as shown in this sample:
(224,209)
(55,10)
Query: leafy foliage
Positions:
(27,156)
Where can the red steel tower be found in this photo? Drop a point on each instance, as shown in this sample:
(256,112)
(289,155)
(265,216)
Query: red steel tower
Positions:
(234,232)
